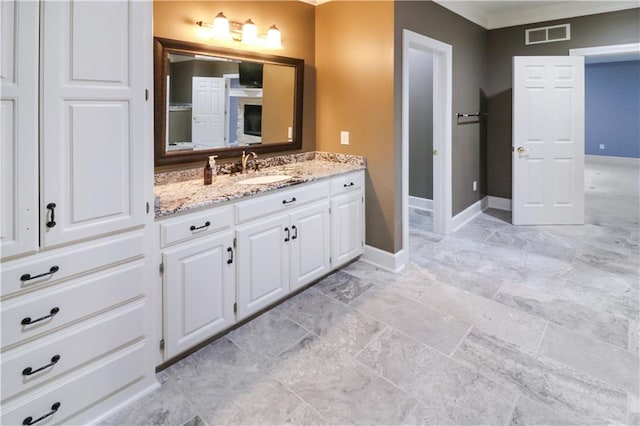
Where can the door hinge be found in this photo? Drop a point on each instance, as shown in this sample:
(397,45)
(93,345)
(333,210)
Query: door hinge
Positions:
(235,242)
(235,308)
(162,268)
(162,345)
(146,94)
(147,207)
(329,210)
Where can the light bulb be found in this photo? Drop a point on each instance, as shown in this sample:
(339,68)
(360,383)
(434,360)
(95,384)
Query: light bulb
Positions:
(249,32)
(221,26)
(274,40)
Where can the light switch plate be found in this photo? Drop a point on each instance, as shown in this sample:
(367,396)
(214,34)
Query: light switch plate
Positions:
(344,138)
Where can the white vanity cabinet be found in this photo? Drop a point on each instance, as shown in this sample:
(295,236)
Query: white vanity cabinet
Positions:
(222,265)
(76,166)
(282,252)
(347,221)
(198,278)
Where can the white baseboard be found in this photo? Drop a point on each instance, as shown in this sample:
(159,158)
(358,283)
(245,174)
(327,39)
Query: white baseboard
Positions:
(612,161)
(499,203)
(467,215)
(393,262)
(421,203)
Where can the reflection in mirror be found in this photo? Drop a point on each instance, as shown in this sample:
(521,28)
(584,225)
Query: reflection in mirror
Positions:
(216,102)
(222,101)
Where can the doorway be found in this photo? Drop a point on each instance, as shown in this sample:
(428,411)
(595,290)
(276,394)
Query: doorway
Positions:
(420,140)
(441,55)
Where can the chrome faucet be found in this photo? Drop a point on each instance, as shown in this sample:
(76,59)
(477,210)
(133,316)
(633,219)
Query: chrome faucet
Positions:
(246,158)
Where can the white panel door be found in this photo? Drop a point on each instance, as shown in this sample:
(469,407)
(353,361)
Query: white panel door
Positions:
(208,100)
(19,128)
(263,264)
(310,244)
(93,119)
(548,140)
(199,291)
(347,228)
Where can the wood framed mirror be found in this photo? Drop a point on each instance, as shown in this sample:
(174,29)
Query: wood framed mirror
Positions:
(217,101)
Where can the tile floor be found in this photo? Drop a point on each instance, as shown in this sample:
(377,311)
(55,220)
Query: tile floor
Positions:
(495,324)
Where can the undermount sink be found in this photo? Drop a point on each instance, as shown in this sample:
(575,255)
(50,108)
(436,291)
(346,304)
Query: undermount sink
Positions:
(259,180)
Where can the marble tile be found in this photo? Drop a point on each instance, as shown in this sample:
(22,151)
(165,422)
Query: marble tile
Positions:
(266,336)
(339,324)
(343,287)
(196,421)
(574,395)
(444,387)
(625,303)
(304,415)
(264,401)
(606,362)
(434,328)
(473,282)
(340,389)
(583,319)
(422,416)
(492,317)
(413,281)
(634,337)
(507,239)
(633,406)
(529,413)
(165,406)
(420,219)
(215,376)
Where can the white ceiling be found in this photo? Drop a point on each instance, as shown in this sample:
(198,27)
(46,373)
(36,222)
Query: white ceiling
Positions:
(507,13)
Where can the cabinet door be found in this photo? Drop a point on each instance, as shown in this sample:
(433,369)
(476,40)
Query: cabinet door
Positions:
(199,291)
(93,118)
(263,263)
(347,228)
(310,244)
(19,128)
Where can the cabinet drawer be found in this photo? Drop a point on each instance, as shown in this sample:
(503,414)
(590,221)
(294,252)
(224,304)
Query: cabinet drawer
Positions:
(73,394)
(346,183)
(40,270)
(70,349)
(75,300)
(195,224)
(282,201)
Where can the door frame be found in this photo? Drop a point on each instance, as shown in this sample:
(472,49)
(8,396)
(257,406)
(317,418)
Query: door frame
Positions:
(442,131)
(610,50)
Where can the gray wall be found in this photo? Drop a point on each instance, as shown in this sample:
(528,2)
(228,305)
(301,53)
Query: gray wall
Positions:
(586,31)
(469,43)
(420,124)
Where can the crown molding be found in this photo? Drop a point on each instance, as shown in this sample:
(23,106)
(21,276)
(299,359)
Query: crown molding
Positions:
(473,11)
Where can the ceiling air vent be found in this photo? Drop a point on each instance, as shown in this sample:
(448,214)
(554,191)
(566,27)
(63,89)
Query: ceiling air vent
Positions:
(548,34)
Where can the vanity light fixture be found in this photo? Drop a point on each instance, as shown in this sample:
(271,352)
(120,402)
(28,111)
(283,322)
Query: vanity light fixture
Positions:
(247,33)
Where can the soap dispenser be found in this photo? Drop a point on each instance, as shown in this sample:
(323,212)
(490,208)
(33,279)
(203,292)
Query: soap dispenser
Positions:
(212,163)
(208,173)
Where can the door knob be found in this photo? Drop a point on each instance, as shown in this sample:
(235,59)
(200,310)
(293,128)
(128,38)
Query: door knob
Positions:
(522,149)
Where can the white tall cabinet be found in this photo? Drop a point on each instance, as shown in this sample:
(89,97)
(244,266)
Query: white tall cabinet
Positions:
(76,154)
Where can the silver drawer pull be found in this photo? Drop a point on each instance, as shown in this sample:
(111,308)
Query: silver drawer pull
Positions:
(29,420)
(52,270)
(195,228)
(29,321)
(29,371)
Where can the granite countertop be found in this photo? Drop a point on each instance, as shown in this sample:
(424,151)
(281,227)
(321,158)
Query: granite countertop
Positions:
(182,191)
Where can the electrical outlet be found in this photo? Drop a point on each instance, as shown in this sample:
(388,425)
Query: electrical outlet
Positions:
(601,146)
(344,138)
(475,185)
